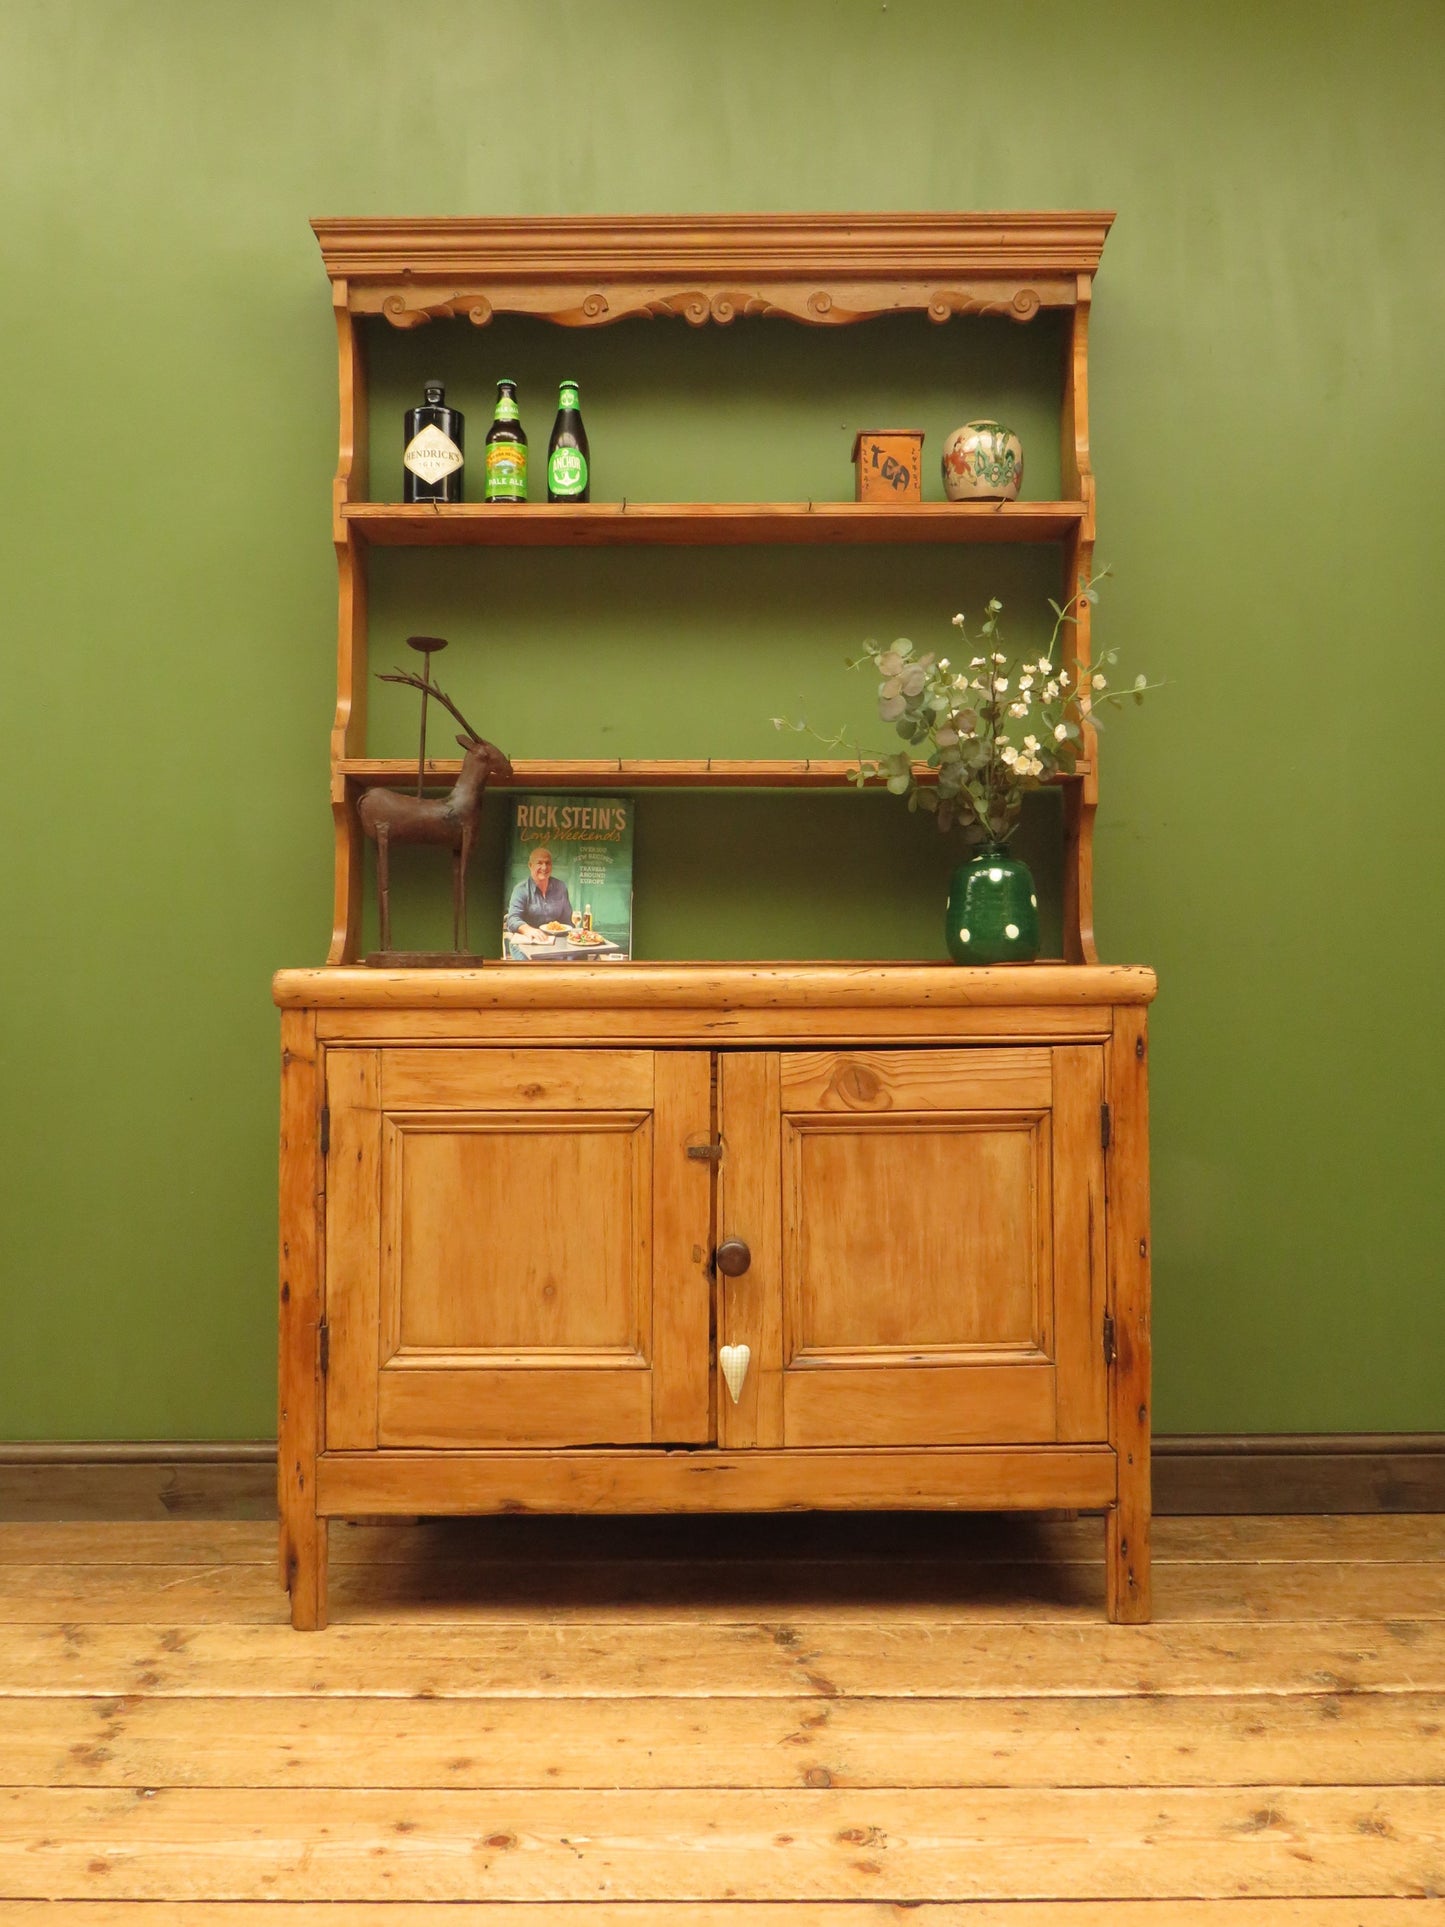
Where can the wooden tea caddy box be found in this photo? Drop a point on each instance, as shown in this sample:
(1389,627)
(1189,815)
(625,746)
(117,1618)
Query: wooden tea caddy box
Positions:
(729,1155)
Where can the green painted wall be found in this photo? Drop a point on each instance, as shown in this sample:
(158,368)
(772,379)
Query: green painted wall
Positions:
(1268,426)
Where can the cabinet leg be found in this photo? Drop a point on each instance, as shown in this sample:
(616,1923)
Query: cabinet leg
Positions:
(1126,1554)
(306,1547)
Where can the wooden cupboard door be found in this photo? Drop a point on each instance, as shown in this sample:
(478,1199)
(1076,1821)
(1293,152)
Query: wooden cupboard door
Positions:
(929,1224)
(517,1247)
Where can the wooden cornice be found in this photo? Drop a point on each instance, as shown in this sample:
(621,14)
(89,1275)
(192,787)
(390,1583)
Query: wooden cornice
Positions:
(819,268)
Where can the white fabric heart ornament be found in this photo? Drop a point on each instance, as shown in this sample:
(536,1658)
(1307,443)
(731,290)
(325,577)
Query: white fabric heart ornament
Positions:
(735,1360)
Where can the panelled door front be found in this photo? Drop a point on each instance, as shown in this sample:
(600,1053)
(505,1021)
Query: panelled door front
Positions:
(925,1231)
(516,1247)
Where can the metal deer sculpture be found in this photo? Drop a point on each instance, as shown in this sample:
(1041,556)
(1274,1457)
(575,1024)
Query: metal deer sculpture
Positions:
(389,816)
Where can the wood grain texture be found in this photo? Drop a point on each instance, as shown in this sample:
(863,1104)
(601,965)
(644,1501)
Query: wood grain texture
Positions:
(1127,1187)
(302,1548)
(644,772)
(1383,1479)
(906,1081)
(474,1406)
(683,1236)
(931,1592)
(522,1234)
(348,729)
(918,1844)
(509,1080)
(1080,1251)
(747,1479)
(1320,1739)
(772,1652)
(353,1247)
(704,524)
(750,1207)
(903,257)
(796,988)
(1017,1539)
(1315,1912)
(722,1024)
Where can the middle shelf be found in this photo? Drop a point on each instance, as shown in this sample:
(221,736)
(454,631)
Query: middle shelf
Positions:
(614,772)
(703,524)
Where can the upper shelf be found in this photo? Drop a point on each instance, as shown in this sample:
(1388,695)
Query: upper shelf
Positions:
(821,269)
(704,524)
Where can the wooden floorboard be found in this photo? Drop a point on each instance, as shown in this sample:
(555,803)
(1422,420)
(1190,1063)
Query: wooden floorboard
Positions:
(797,1723)
(1254,1912)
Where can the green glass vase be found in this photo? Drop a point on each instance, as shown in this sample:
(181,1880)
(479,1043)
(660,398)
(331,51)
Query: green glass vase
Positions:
(993,910)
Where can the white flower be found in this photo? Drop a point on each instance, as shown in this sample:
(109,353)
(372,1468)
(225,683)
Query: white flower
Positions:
(1063,679)
(958,621)
(999,656)
(1026,682)
(978,662)
(1031,743)
(1000,685)
(1060,732)
(1009,755)
(978,683)
(1051,691)
(1100,682)
(1045,667)
(1018,709)
(943,662)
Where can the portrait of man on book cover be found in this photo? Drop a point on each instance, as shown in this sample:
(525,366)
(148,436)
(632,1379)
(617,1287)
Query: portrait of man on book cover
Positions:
(568,880)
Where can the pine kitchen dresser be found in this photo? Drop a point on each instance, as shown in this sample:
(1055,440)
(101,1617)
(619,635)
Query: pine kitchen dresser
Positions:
(527,1216)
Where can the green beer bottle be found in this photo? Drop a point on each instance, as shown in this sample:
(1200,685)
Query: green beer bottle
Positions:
(569,476)
(506,449)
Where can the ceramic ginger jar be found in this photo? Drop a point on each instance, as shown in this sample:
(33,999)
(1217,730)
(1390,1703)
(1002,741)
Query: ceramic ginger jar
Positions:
(982,462)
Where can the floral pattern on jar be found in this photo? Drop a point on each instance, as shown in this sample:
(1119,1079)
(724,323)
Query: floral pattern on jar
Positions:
(982,461)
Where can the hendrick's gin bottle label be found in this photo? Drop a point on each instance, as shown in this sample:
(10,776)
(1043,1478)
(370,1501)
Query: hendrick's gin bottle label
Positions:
(432,460)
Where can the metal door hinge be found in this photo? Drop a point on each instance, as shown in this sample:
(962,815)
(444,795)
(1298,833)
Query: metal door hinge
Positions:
(325,1129)
(323,1347)
(1108,1338)
(1106,1126)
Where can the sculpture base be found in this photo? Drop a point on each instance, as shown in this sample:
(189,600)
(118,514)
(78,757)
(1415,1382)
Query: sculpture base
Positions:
(424,960)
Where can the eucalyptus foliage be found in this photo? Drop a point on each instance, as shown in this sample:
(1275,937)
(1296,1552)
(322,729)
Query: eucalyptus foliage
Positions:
(987,733)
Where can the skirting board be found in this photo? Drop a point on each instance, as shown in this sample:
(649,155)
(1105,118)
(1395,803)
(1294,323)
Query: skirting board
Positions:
(1328,1472)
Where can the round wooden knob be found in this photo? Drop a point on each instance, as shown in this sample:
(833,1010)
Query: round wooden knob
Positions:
(732,1257)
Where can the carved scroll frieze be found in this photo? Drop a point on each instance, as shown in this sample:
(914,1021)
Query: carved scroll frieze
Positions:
(578,306)
(1019,304)
(414,307)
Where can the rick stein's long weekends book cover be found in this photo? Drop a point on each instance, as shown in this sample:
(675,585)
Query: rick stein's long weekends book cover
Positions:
(568,880)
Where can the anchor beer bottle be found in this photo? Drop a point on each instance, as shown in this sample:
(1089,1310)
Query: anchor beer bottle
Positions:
(569,474)
(431,463)
(506,449)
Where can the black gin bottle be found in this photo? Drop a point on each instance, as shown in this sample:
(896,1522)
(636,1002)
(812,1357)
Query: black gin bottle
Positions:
(431,466)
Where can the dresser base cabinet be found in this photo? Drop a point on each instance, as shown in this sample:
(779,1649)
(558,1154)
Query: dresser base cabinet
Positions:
(524,1214)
